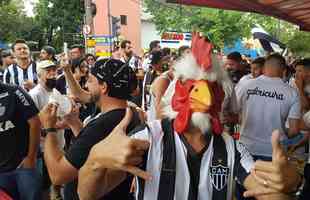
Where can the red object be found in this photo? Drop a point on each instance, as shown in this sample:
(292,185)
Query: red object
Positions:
(202,50)
(181,104)
(4,196)
(296,12)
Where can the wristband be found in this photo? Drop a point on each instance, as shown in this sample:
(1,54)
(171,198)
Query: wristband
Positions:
(45,131)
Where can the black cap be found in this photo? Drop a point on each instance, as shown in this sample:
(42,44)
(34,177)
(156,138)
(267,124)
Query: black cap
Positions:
(119,76)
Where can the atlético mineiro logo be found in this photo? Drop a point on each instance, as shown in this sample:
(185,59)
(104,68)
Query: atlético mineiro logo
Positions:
(219,176)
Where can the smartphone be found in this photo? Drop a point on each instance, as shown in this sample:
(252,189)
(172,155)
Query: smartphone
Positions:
(66,50)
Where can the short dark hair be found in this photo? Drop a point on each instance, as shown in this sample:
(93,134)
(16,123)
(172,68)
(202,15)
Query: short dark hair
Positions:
(276,60)
(124,43)
(182,49)
(236,56)
(154,44)
(79,46)
(18,41)
(260,61)
(166,51)
(304,62)
(90,55)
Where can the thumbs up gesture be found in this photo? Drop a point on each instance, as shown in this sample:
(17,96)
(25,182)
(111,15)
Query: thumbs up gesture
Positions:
(120,152)
(278,176)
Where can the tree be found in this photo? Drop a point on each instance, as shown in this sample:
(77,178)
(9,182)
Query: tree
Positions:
(222,27)
(60,21)
(14,22)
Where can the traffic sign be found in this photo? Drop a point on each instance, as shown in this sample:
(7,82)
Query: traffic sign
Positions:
(86,29)
(91,43)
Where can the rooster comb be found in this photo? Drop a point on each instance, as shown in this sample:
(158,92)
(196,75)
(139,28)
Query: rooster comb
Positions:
(202,51)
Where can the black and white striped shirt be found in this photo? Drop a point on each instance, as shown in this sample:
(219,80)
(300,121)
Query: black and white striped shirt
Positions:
(209,180)
(15,75)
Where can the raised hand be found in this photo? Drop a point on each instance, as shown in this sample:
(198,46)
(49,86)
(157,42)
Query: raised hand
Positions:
(48,116)
(120,152)
(278,176)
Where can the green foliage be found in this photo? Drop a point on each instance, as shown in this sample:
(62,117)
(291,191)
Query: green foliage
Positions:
(14,22)
(224,27)
(299,43)
(60,20)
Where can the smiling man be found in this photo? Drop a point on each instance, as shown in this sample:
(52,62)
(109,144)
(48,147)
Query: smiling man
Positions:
(23,73)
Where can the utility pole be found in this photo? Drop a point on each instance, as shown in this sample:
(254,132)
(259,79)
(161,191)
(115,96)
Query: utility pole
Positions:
(110,26)
(88,23)
(89,16)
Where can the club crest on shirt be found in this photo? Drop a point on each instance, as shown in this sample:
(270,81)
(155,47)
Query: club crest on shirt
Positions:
(219,176)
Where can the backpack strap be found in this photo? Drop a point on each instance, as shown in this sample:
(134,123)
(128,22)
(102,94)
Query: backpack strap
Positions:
(15,70)
(219,163)
(168,170)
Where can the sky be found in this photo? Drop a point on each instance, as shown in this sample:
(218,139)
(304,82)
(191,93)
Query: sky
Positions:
(29,6)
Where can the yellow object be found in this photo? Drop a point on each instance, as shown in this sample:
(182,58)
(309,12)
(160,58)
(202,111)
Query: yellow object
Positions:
(200,97)
(91,43)
(103,54)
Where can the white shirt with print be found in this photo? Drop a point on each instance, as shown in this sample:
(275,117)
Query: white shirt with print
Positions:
(265,104)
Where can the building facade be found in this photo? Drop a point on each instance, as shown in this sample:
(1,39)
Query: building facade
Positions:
(131,30)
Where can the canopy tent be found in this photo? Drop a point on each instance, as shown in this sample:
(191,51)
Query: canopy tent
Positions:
(294,11)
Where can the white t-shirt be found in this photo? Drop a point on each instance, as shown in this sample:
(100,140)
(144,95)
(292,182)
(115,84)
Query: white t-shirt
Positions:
(265,103)
(40,97)
(243,81)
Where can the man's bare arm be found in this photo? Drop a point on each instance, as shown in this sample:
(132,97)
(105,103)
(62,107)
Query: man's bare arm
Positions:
(95,182)
(110,160)
(74,86)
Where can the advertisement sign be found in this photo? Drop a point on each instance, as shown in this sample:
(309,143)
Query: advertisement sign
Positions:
(175,39)
(101,40)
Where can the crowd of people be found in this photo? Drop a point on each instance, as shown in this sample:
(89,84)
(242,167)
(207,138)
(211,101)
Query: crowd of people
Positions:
(185,124)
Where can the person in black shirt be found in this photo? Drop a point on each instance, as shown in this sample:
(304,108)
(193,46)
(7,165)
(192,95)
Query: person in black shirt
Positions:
(236,67)
(110,87)
(19,142)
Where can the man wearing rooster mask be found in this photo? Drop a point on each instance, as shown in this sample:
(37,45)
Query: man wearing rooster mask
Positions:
(186,156)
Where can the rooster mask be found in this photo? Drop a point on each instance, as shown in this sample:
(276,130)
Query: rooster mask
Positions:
(199,89)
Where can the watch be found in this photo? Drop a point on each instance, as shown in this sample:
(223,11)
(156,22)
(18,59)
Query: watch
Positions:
(45,131)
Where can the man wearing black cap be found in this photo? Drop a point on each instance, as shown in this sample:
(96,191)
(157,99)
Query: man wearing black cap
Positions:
(110,84)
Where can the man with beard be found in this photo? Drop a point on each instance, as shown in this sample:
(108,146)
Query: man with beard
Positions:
(127,55)
(235,67)
(189,157)
(47,72)
(48,53)
(110,86)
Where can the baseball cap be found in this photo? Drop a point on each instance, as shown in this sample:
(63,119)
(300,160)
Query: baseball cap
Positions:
(119,77)
(45,64)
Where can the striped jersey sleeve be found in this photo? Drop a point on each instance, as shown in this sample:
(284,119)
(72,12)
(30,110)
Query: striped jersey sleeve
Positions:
(7,76)
(243,163)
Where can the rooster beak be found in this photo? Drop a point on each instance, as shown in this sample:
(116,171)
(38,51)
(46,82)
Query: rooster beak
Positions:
(200,97)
